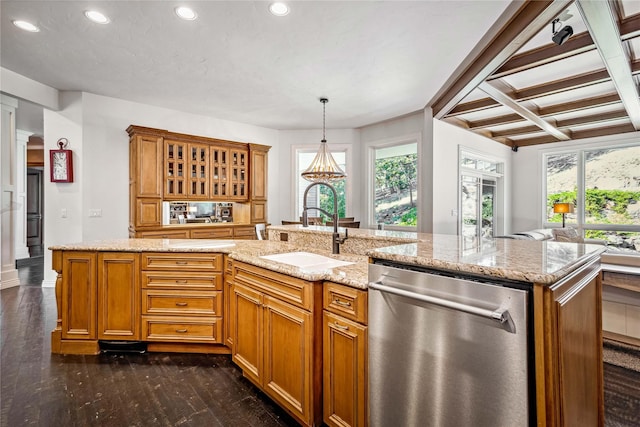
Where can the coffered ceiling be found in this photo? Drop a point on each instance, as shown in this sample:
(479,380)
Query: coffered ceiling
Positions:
(524,89)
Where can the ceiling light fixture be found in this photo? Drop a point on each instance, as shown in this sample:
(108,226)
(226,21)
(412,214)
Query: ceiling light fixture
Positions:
(563,34)
(24,25)
(279,9)
(323,168)
(186,13)
(97,17)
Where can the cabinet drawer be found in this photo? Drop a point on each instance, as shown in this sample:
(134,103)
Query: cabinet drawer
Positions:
(345,301)
(177,280)
(621,280)
(182,261)
(163,234)
(184,329)
(244,232)
(213,233)
(181,302)
(286,288)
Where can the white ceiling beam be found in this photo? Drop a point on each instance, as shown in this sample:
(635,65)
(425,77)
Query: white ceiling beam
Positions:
(602,25)
(521,110)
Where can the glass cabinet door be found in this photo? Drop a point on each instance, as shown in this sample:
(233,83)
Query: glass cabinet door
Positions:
(198,170)
(175,167)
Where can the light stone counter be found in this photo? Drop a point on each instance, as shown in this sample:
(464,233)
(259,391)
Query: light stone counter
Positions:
(533,261)
(249,251)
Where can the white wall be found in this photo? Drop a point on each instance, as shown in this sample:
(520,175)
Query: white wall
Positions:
(96,128)
(448,140)
(284,174)
(528,176)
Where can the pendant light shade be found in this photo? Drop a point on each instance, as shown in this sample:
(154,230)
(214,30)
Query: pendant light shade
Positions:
(323,168)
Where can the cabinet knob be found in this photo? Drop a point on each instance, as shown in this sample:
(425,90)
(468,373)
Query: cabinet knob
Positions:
(181,281)
(181,331)
(181,304)
(181,262)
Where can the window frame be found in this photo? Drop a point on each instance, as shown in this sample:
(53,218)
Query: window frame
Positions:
(498,176)
(296,179)
(580,213)
(370,181)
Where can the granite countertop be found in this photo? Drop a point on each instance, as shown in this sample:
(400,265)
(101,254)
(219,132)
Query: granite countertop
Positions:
(249,251)
(532,261)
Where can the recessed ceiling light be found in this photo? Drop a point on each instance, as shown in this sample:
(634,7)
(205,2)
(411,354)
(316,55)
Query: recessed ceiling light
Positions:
(186,13)
(97,17)
(279,9)
(27,26)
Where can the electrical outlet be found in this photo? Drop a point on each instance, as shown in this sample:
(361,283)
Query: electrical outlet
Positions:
(63,213)
(454,212)
(95,213)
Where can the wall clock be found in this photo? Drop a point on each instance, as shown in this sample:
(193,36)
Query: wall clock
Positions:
(61,163)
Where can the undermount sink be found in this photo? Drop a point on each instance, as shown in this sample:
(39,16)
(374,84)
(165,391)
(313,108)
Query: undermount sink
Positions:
(203,245)
(307,261)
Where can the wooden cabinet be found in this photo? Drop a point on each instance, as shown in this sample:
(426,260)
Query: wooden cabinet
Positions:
(182,298)
(145,180)
(212,233)
(345,365)
(244,232)
(259,163)
(79,292)
(163,234)
(276,338)
(229,307)
(568,334)
(118,296)
(168,166)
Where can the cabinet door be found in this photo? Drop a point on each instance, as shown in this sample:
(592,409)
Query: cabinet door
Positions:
(118,296)
(229,306)
(578,315)
(147,169)
(78,295)
(288,357)
(258,175)
(247,338)
(345,371)
(175,169)
(238,178)
(199,170)
(219,159)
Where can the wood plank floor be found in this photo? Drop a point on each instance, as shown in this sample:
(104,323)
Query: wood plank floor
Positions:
(113,389)
(155,389)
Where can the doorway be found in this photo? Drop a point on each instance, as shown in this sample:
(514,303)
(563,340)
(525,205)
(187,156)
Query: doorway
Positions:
(34,211)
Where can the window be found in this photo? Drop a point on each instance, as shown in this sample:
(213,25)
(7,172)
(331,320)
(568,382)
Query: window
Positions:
(480,181)
(320,196)
(395,185)
(604,186)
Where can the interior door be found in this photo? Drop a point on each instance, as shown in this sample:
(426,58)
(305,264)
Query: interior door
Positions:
(478,207)
(34,211)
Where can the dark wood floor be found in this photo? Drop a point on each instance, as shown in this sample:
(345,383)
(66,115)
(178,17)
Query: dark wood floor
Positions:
(113,389)
(155,389)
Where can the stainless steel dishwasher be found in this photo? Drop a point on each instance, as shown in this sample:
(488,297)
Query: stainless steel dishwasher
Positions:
(447,351)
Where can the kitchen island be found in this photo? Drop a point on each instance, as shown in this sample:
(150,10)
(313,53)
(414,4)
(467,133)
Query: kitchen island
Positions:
(221,296)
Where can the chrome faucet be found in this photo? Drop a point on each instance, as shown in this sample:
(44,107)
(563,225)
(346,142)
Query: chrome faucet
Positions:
(336,239)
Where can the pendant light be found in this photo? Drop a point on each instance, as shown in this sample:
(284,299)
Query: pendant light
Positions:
(323,168)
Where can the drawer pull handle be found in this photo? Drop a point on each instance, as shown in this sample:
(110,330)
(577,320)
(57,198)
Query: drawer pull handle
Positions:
(181,281)
(342,303)
(339,326)
(181,304)
(181,262)
(181,331)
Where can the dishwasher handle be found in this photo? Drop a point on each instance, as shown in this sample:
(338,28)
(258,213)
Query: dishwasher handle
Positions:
(500,315)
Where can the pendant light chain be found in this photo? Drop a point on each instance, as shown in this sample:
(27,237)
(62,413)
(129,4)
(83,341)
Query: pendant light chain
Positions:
(324,114)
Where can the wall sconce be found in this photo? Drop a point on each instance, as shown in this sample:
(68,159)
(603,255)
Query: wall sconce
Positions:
(563,208)
(61,162)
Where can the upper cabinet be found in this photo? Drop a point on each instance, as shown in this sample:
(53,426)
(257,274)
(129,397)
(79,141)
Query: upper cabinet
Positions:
(169,166)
